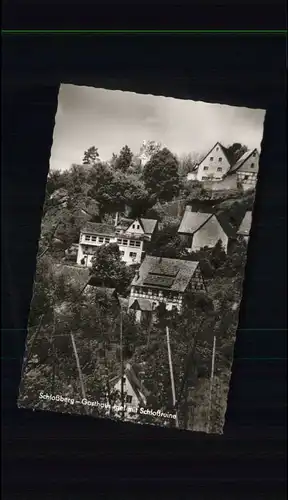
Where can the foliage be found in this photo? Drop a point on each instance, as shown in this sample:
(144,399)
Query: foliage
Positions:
(235,151)
(109,270)
(167,243)
(187,162)
(124,159)
(161,175)
(90,156)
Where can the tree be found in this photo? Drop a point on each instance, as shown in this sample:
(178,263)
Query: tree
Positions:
(167,243)
(90,156)
(235,151)
(124,159)
(161,175)
(108,268)
(187,162)
(56,180)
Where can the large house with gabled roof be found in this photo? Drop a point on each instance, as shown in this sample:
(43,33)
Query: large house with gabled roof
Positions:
(162,280)
(199,230)
(214,165)
(131,235)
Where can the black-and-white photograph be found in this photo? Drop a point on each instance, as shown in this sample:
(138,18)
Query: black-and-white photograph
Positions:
(141,258)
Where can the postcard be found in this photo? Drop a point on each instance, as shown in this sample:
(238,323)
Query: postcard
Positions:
(141,259)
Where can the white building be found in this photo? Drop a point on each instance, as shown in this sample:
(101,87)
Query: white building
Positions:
(130,235)
(246,169)
(162,280)
(201,230)
(214,166)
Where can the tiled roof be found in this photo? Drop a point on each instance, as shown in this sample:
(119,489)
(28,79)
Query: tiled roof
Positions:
(149,225)
(102,291)
(124,223)
(181,270)
(142,304)
(98,228)
(192,221)
(241,161)
(245,225)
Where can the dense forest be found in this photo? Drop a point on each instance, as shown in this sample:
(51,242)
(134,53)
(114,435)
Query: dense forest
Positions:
(73,346)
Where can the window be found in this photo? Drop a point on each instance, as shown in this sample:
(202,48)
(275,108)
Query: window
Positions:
(106,240)
(211,158)
(101,239)
(217,149)
(220,159)
(219,169)
(133,255)
(138,243)
(206,168)
(125,242)
(254,154)
(246,177)
(119,241)
(129,399)
(132,243)
(86,248)
(204,178)
(252,165)
(122,253)
(133,227)
(94,238)
(87,237)
(138,227)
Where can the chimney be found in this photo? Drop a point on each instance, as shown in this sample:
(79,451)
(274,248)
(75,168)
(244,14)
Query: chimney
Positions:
(116,219)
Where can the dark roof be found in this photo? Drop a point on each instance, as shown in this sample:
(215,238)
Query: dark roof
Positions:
(180,270)
(102,291)
(241,161)
(193,221)
(98,228)
(148,225)
(225,224)
(245,225)
(124,223)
